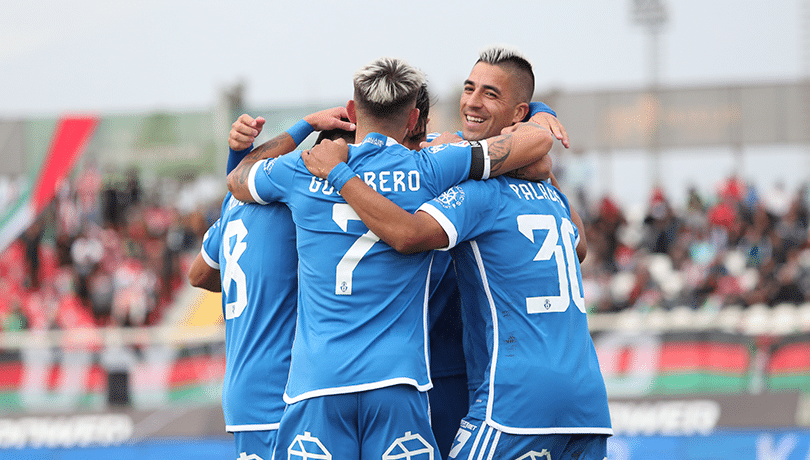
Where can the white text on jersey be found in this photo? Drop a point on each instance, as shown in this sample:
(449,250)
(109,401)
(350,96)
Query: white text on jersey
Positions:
(393,181)
(533,191)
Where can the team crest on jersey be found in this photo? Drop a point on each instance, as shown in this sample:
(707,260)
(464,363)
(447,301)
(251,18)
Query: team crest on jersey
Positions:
(452,197)
(409,447)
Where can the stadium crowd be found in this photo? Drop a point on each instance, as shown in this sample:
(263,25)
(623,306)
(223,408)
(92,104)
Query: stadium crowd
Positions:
(109,252)
(106,252)
(740,247)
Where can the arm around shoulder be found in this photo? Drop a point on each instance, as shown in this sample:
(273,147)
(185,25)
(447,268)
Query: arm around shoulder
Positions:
(518,145)
(406,233)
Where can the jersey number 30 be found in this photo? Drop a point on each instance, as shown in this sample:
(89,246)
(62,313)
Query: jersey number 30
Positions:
(566,266)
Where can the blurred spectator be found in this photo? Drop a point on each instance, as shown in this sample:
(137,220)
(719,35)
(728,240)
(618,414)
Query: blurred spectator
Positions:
(738,250)
(31,238)
(104,253)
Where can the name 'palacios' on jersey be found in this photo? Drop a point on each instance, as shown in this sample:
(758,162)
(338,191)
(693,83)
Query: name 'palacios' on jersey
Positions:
(533,191)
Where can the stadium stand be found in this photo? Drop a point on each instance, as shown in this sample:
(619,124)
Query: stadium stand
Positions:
(104,253)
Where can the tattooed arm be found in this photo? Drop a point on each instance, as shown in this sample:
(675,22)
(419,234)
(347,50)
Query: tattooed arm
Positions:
(405,232)
(335,118)
(238,178)
(518,145)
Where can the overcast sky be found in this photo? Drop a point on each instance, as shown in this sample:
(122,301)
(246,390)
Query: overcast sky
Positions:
(106,56)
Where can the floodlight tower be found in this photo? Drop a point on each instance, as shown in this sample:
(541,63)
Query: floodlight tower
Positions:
(652,15)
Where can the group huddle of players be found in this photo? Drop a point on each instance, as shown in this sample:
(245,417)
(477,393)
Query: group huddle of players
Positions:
(385,297)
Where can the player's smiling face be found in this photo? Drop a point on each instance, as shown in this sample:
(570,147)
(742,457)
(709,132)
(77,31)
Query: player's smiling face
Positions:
(488,103)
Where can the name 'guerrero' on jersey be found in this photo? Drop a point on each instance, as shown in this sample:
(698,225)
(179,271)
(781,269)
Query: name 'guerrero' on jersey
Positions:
(380,181)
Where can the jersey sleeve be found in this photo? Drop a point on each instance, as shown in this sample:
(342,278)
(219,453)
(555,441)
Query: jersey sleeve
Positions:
(212,241)
(270,179)
(464,211)
(451,164)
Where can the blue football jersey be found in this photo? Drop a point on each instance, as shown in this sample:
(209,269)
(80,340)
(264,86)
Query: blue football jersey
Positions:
(253,247)
(517,264)
(444,319)
(362,319)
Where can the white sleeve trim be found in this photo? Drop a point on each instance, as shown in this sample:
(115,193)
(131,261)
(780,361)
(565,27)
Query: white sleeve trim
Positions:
(211,262)
(252,182)
(447,226)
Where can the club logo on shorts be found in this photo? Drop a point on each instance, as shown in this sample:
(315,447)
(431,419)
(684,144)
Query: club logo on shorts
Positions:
(409,447)
(532,455)
(307,447)
(452,197)
(244,456)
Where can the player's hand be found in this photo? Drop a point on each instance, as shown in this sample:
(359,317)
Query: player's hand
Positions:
(550,122)
(522,125)
(334,118)
(244,131)
(324,156)
(539,171)
(444,138)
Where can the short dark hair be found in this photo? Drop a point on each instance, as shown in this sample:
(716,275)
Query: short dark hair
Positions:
(386,87)
(419,132)
(513,61)
(337,133)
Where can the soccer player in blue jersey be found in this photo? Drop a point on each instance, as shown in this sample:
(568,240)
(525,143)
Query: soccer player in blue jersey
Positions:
(250,254)
(359,366)
(497,94)
(542,390)
(449,396)
(513,243)
(496,103)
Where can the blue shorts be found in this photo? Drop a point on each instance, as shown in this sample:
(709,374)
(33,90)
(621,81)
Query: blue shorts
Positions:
(381,424)
(255,445)
(475,440)
(448,405)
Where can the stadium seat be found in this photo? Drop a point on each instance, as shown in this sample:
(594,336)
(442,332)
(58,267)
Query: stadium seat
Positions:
(729,318)
(682,317)
(756,319)
(803,317)
(629,319)
(657,320)
(784,319)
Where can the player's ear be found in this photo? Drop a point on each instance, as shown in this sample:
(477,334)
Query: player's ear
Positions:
(413,117)
(521,111)
(351,111)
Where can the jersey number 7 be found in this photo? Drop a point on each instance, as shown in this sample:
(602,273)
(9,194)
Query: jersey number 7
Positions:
(342,213)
